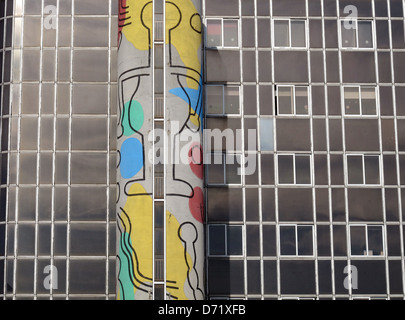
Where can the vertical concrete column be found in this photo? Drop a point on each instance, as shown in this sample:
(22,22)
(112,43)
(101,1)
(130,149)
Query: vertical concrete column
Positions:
(134,170)
(184,171)
(183,174)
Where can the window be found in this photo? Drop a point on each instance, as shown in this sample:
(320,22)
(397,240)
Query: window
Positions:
(289,33)
(292,100)
(224,168)
(222,100)
(359,101)
(224,240)
(266,134)
(296,240)
(363,169)
(294,169)
(366,240)
(356,34)
(222,33)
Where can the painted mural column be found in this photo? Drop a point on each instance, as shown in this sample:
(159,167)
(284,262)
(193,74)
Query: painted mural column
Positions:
(183,176)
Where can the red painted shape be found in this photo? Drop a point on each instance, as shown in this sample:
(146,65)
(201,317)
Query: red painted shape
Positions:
(196,205)
(122,10)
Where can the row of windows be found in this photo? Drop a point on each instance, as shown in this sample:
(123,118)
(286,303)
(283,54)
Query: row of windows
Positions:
(292,100)
(294,169)
(295,240)
(290,34)
(298,8)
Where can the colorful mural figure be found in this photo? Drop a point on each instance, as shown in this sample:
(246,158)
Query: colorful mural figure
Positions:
(184,232)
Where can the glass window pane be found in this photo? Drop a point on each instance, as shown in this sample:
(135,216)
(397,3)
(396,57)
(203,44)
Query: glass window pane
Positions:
(159,76)
(159,242)
(358,240)
(87,240)
(215,99)
(281,33)
(216,169)
(375,239)
(28,168)
(266,134)
(303,169)
(365,34)
(232,164)
(234,240)
(29,133)
(159,214)
(285,100)
(368,101)
(287,240)
(301,100)
(348,36)
(159,292)
(372,169)
(230,33)
(305,240)
(231,96)
(88,168)
(286,169)
(216,239)
(89,133)
(26,239)
(298,34)
(351,96)
(214,33)
(355,169)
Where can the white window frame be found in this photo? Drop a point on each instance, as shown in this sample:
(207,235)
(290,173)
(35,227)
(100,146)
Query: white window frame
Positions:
(294,169)
(357,48)
(225,239)
(290,47)
(295,225)
(363,155)
(222,46)
(223,163)
(294,114)
(223,86)
(359,87)
(366,237)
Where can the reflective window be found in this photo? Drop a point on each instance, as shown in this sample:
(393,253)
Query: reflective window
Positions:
(360,101)
(224,240)
(289,33)
(222,33)
(266,134)
(222,100)
(292,100)
(363,169)
(296,240)
(224,168)
(366,240)
(294,169)
(356,34)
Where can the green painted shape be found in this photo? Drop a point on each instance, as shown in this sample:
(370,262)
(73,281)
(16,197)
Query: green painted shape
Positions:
(125,284)
(132,117)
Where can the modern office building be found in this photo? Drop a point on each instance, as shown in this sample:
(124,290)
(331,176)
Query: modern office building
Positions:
(304,192)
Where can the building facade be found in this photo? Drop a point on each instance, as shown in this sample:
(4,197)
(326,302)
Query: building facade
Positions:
(304,149)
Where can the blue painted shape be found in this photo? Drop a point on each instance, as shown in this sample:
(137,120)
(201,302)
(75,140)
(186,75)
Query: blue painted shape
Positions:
(192,96)
(131,158)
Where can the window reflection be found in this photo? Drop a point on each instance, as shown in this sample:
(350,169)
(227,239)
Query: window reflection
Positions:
(225,240)
(289,33)
(296,240)
(357,34)
(366,240)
